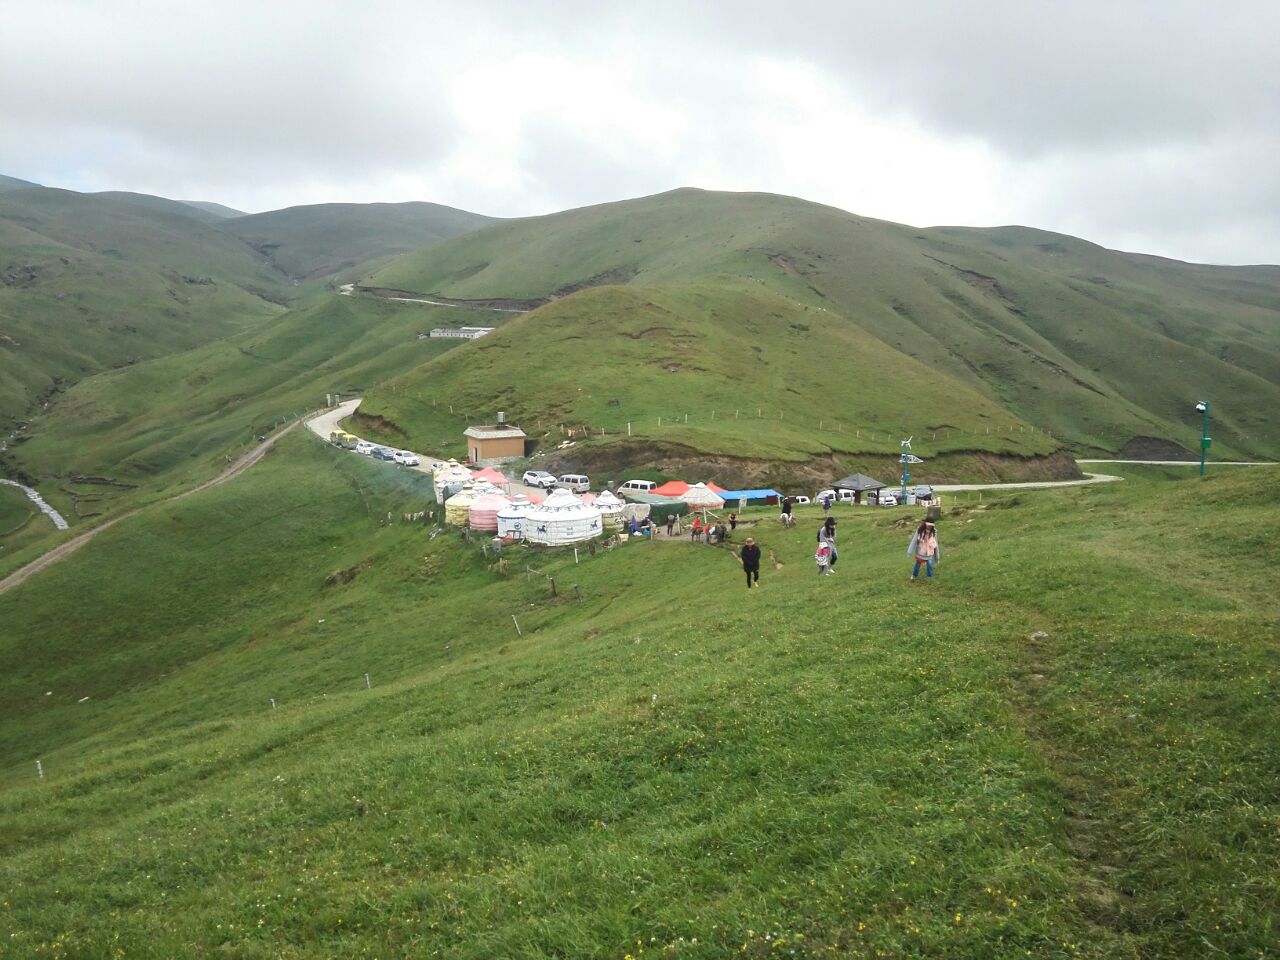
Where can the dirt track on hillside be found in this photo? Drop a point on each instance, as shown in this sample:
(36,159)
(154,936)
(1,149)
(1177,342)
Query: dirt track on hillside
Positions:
(75,543)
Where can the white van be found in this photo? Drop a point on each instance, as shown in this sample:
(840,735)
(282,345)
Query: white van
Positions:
(576,482)
(637,486)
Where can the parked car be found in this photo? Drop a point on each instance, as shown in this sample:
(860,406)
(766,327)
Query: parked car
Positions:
(365,447)
(384,453)
(888,499)
(637,486)
(538,478)
(577,482)
(406,457)
(800,500)
(340,438)
(822,495)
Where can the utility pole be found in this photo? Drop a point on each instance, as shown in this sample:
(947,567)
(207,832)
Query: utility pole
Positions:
(1203,407)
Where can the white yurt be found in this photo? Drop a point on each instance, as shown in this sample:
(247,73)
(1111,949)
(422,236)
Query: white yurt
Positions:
(483,512)
(457,509)
(452,474)
(699,497)
(611,508)
(562,518)
(511,517)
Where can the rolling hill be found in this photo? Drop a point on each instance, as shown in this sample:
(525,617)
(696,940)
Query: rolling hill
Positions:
(1095,346)
(89,283)
(344,240)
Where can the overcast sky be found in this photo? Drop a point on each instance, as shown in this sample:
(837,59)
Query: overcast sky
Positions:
(1151,126)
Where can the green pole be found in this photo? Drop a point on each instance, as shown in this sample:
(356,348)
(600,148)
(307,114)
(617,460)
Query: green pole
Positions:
(1204,432)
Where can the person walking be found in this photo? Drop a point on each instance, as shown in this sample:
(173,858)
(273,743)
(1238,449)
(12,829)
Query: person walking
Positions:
(733,521)
(695,529)
(924,547)
(826,505)
(671,524)
(751,562)
(827,532)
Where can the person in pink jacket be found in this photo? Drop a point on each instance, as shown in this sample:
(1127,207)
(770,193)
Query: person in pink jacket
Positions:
(924,547)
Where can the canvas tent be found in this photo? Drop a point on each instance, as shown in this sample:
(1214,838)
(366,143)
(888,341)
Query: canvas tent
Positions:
(611,509)
(751,496)
(562,518)
(449,479)
(511,517)
(859,483)
(457,509)
(483,512)
(699,497)
(672,488)
(490,475)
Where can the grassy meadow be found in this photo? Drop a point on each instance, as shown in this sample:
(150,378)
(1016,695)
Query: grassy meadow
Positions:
(1061,746)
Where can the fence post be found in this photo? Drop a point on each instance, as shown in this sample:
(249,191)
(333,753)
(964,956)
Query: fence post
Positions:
(273,702)
(367,684)
(628,428)
(39,769)
(519,632)
(553,586)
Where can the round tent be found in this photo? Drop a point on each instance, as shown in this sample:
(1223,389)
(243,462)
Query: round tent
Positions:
(457,508)
(483,512)
(562,518)
(511,518)
(451,475)
(611,509)
(699,497)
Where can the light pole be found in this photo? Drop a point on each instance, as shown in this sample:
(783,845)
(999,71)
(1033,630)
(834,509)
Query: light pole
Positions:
(1203,407)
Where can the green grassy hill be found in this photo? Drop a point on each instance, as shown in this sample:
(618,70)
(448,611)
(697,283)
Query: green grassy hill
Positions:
(1096,346)
(89,283)
(13,183)
(343,240)
(175,419)
(1012,759)
(218,209)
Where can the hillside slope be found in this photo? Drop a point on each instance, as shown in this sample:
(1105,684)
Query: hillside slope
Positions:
(344,239)
(1096,346)
(1002,761)
(93,282)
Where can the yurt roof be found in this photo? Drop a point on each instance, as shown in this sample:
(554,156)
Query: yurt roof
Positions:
(607,501)
(490,501)
(452,472)
(700,495)
(562,503)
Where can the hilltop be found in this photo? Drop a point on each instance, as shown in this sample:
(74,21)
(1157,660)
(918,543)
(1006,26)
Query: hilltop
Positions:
(1099,348)
(342,240)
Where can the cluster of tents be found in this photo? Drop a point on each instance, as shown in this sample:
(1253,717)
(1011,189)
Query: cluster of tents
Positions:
(477,500)
(704,496)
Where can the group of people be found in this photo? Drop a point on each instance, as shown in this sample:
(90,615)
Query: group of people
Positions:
(923,549)
(712,531)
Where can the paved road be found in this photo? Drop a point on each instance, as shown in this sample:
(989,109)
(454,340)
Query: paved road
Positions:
(325,423)
(1190,463)
(348,290)
(1036,485)
(75,543)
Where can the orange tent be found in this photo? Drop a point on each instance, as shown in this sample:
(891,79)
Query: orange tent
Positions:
(672,488)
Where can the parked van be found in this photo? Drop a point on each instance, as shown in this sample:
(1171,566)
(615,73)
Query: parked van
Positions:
(340,438)
(637,486)
(575,482)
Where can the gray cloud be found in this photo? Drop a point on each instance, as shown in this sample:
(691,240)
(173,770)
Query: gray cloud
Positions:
(1148,125)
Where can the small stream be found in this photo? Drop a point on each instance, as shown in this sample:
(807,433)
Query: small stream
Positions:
(38,500)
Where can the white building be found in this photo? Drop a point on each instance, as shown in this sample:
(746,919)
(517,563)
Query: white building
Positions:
(461,333)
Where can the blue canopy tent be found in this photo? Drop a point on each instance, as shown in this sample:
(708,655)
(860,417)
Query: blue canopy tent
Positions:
(769,497)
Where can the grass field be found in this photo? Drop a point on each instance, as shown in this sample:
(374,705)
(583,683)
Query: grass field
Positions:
(725,367)
(174,420)
(1094,345)
(1061,746)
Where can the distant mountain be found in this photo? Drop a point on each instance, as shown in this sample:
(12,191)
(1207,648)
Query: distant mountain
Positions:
(13,183)
(91,282)
(178,207)
(1099,347)
(344,240)
(217,209)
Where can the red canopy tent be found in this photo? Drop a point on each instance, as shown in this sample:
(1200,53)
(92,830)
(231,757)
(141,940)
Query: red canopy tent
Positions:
(491,475)
(672,488)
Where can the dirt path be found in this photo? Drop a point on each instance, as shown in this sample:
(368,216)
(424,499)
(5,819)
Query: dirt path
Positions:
(75,543)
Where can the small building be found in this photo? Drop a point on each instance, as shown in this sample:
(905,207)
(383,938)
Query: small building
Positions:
(494,444)
(860,483)
(461,333)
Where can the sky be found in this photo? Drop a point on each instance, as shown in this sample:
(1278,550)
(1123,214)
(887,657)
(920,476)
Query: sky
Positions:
(1148,126)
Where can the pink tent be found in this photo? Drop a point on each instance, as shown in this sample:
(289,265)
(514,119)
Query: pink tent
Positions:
(491,475)
(483,512)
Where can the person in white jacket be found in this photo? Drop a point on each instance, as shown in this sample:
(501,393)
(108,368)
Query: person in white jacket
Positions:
(924,547)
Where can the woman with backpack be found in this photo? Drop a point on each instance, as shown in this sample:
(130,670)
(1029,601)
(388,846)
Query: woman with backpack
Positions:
(924,547)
